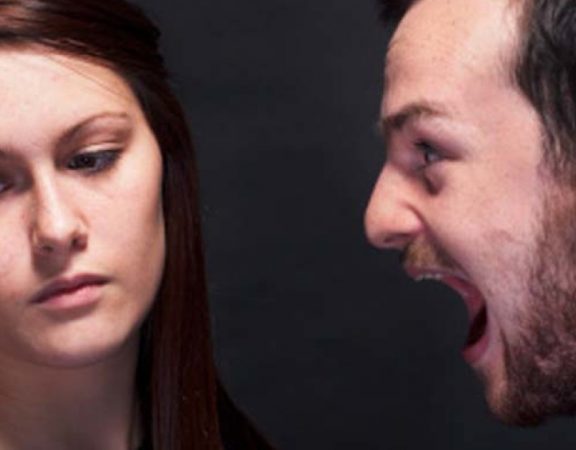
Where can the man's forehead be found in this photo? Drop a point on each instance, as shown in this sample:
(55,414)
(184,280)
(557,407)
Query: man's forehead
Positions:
(444,35)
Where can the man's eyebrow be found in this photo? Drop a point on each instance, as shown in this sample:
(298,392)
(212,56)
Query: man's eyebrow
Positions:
(412,111)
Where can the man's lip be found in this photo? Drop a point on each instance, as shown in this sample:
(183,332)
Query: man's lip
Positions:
(67,285)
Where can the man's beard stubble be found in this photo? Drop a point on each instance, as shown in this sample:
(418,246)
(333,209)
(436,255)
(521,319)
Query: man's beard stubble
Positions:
(540,364)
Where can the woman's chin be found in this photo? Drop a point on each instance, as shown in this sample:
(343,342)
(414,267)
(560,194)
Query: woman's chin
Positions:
(82,350)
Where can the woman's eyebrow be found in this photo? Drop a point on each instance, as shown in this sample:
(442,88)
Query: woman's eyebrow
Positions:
(71,133)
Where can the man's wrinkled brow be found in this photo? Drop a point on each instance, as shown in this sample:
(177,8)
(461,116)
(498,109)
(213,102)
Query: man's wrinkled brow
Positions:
(398,120)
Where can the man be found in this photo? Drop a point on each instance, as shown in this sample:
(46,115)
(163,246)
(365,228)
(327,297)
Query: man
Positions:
(479,187)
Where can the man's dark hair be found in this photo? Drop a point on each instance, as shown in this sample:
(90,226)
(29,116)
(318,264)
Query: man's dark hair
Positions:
(393,10)
(544,71)
(546,74)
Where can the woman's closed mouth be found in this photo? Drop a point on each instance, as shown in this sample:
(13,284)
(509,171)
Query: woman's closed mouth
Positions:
(77,290)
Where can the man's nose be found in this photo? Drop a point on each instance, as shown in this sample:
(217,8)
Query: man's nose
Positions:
(392,220)
(57,227)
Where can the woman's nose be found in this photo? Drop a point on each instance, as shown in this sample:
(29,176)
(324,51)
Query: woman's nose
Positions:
(57,227)
(391,218)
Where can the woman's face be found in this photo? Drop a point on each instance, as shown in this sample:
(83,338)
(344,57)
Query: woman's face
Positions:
(81,225)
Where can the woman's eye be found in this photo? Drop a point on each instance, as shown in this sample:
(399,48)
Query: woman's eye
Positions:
(93,161)
(429,154)
(4,185)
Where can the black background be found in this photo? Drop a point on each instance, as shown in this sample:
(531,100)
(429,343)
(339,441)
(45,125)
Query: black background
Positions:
(320,338)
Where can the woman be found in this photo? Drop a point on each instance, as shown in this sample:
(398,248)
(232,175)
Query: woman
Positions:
(104,328)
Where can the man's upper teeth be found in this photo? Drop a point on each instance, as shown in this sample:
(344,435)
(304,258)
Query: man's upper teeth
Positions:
(429,276)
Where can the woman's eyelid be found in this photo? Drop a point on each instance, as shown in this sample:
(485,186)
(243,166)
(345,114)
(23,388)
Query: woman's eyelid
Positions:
(95,138)
(5,184)
(99,145)
(14,180)
(13,175)
(104,154)
(95,159)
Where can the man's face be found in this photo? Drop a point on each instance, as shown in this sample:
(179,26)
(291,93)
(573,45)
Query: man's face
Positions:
(465,194)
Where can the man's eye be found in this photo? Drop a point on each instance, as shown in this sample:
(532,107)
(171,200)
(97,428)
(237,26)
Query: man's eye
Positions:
(93,161)
(429,154)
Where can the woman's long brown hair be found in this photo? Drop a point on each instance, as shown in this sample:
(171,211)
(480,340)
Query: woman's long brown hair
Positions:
(176,379)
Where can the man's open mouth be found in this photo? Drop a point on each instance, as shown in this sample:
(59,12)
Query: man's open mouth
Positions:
(477,339)
(477,327)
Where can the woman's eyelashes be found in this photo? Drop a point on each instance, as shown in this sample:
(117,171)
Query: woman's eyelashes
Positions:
(93,161)
(88,162)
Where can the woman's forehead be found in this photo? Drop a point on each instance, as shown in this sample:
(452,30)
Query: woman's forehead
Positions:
(37,65)
(46,95)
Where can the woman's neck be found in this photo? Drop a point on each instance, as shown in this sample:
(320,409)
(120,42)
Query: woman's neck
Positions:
(92,408)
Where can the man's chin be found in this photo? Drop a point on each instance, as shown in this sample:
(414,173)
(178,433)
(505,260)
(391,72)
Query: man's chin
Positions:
(507,408)
(520,395)
(503,398)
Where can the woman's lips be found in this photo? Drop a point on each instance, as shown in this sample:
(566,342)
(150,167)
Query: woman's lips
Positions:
(477,340)
(78,290)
